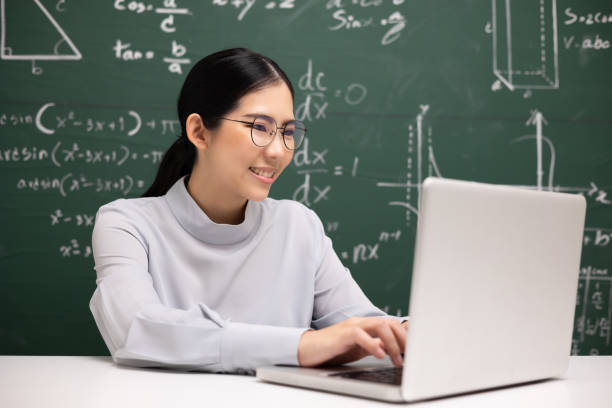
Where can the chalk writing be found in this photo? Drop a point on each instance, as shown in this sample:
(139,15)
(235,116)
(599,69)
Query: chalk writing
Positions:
(178,52)
(15,119)
(125,52)
(48,124)
(598,195)
(598,237)
(307,162)
(332,226)
(79,220)
(398,311)
(169,9)
(243,6)
(386,236)
(593,310)
(364,252)
(177,60)
(70,183)
(362,17)
(303,192)
(73,152)
(50,118)
(587,43)
(25,154)
(597,17)
(315,104)
(74,249)
(137,7)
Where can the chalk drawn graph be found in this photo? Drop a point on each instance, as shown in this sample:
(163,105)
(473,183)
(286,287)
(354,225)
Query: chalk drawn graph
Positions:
(525,44)
(426,164)
(537,119)
(8,53)
(415,171)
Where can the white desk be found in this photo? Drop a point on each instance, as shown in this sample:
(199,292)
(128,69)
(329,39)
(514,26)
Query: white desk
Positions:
(84,382)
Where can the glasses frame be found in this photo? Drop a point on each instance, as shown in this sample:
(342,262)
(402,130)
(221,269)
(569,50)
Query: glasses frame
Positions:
(277,128)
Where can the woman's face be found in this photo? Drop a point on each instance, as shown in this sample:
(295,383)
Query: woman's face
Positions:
(238,168)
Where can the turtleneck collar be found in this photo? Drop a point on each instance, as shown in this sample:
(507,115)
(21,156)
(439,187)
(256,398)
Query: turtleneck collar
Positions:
(193,219)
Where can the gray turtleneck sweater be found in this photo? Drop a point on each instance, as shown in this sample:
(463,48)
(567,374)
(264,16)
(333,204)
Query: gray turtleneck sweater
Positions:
(176,289)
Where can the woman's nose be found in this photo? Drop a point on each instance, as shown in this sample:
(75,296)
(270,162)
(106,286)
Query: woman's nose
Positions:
(276,146)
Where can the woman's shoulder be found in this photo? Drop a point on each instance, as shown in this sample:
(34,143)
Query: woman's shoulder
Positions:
(285,206)
(133,210)
(290,211)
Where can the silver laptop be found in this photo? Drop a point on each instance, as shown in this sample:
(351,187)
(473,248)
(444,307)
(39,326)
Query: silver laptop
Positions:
(492,298)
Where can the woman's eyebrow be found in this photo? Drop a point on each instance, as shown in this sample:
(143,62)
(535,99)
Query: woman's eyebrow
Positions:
(262,115)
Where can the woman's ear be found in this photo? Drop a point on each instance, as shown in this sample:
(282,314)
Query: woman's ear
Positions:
(196,131)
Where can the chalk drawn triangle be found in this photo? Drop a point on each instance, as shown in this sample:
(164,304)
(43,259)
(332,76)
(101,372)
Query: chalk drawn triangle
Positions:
(33,33)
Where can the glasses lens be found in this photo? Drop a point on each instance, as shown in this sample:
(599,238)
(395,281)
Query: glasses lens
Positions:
(294,134)
(263,131)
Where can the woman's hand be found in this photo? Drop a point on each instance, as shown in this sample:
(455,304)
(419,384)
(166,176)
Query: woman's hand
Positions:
(352,340)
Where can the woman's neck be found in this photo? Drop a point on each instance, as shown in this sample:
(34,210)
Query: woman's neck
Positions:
(219,210)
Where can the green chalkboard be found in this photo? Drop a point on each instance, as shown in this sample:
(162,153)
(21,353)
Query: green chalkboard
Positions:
(392,91)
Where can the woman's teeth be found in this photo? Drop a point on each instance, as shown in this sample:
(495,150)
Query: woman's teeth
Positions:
(267,174)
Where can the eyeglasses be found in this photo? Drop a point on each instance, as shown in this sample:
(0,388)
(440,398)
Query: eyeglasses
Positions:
(264,128)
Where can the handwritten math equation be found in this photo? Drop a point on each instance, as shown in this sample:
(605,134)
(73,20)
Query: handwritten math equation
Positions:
(169,14)
(73,249)
(308,162)
(593,311)
(384,18)
(361,15)
(63,153)
(50,118)
(71,183)
(243,6)
(80,220)
(342,15)
(316,95)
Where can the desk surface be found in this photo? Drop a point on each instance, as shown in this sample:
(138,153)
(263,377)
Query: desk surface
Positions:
(49,381)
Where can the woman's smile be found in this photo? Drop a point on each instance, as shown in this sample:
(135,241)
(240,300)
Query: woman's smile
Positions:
(264,174)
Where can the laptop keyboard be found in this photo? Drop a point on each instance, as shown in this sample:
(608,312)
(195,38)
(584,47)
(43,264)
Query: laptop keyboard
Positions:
(391,375)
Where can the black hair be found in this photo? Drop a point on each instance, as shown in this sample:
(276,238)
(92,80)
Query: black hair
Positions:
(212,88)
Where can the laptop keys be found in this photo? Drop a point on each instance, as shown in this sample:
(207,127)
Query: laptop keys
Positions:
(391,375)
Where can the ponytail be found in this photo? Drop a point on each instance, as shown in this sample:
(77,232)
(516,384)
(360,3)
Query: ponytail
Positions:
(176,163)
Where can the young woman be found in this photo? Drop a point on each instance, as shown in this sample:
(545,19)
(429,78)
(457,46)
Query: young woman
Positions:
(207,273)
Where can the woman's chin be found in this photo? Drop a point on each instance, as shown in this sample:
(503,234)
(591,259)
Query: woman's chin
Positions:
(259,195)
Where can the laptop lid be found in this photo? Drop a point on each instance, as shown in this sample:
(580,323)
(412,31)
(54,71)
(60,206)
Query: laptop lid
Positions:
(493,288)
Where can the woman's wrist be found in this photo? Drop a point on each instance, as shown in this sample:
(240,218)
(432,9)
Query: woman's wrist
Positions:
(304,348)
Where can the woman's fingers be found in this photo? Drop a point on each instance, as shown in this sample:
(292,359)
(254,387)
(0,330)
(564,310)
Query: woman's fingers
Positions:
(400,334)
(391,343)
(368,343)
(389,332)
(352,339)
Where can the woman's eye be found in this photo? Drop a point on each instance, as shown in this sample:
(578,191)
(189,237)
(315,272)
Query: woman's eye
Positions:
(288,132)
(259,126)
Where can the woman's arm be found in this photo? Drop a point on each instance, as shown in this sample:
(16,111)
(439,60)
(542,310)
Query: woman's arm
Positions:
(337,295)
(349,325)
(139,330)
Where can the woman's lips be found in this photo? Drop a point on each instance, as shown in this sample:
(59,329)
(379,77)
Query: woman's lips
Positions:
(265,175)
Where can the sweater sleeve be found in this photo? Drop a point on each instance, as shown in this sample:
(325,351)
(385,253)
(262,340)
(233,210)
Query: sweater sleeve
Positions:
(337,295)
(139,330)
